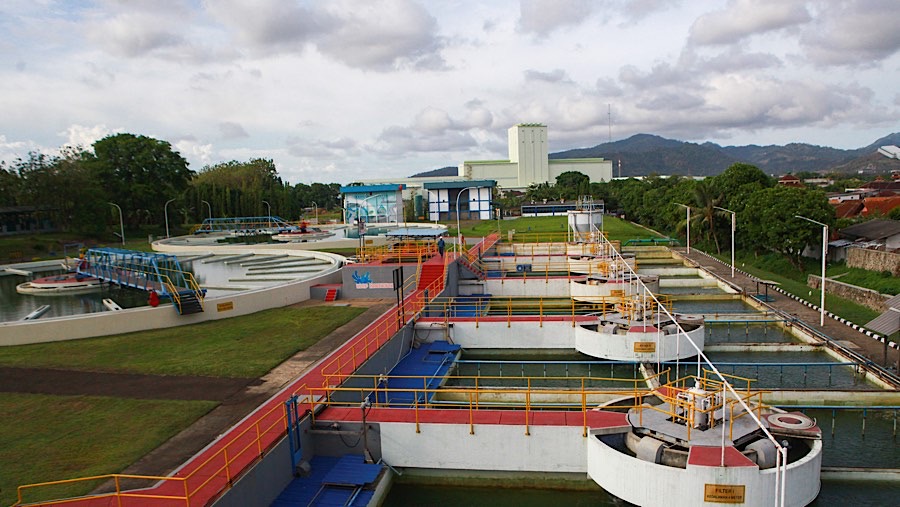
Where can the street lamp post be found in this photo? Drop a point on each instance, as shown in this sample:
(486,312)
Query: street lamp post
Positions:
(166,209)
(121,223)
(269,215)
(317,212)
(208,207)
(824,253)
(733,223)
(688,226)
(458,231)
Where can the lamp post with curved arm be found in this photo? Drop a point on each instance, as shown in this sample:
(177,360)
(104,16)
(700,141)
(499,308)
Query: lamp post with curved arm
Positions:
(166,209)
(121,223)
(208,207)
(733,223)
(458,231)
(317,212)
(269,214)
(824,253)
(688,226)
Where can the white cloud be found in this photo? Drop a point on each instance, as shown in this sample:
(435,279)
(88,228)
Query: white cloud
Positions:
(232,130)
(343,90)
(745,18)
(85,136)
(856,33)
(541,17)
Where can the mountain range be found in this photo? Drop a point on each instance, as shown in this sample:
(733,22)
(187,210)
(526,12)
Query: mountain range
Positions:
(644,154)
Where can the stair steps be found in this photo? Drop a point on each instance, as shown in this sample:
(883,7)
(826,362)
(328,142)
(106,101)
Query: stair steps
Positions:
(430,273)
(189,303)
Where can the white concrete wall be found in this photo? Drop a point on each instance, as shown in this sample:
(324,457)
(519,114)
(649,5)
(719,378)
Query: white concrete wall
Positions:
(535,287)
(164,316)
(496,335)
(651,485)
(506,174)
(621,347)
(492,447)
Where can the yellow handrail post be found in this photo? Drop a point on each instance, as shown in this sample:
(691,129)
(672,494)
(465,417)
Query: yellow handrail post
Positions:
(471,417)
(583,408)
(258,440)
(227,467)
(541,312)
(573,312)
(418,430)
(187,493)
(118,492)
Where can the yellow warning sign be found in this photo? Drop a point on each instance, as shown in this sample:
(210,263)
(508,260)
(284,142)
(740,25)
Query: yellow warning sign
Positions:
(224,307)
(723,493)
(645,346)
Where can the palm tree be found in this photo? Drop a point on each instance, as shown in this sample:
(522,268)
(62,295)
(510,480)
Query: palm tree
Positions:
(707,199)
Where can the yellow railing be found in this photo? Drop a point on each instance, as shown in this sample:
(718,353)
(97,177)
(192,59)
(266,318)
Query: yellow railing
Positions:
(118,493)
(219,470)
(407,251)
(532,397)
(685,410)
(172,289)
(512,307)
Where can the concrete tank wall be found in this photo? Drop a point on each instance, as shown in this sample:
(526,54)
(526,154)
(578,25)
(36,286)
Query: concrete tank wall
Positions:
(622,347)
(651,485)
(164,316)
(495,335)
(500,447)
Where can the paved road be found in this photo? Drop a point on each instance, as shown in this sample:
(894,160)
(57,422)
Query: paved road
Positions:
(852,339)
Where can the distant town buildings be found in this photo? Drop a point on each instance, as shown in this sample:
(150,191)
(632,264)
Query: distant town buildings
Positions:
(468,194)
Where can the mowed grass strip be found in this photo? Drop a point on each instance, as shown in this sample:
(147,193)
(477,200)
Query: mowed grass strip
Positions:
(552,228)
(239,347)
(49,438)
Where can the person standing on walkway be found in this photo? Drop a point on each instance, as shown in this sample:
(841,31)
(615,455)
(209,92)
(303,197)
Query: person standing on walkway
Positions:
(441,246)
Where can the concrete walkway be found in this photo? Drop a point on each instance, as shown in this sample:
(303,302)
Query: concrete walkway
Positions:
(846,336)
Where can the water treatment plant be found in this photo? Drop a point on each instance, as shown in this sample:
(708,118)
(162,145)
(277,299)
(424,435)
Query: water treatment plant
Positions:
(610,372)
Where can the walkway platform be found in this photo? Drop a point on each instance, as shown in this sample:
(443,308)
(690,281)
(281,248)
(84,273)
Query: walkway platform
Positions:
(595,419)
(332,481)
(431,360)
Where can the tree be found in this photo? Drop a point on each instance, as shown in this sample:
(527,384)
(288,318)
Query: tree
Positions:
(707,199)
(49,184)
(139,172)
(9,186)
(737,182)
(572,184)
(771,223)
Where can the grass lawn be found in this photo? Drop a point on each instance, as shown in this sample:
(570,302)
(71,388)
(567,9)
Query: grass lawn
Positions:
(548,228)
(48,438)
(881,281)
(773,267)
(247,346)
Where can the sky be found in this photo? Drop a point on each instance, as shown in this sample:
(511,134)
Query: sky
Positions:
(350,90)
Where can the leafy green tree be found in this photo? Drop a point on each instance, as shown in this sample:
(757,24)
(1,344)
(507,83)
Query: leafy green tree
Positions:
(540,191)
(737,182)
(707,199)
(139,173)
(9,186)
(572,184)
(771,223)
(64,188)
